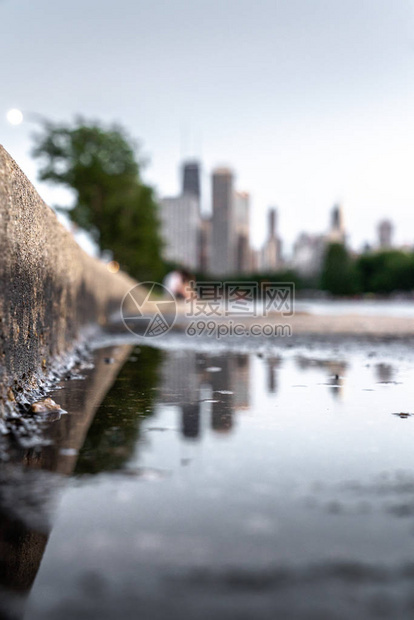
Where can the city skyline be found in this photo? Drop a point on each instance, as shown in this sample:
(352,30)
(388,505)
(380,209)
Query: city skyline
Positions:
(311,102)
(217,241)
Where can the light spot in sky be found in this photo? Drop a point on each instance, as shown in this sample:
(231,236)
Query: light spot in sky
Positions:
(14,116)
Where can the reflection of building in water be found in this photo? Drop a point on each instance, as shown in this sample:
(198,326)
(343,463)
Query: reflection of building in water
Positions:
(306,363)
(186,375)
(179,378)
(222,408)
(335,369)
(190,420)
(180,384)
(240,381)
(385,372)
(272,364)
(336,384)
(234,378)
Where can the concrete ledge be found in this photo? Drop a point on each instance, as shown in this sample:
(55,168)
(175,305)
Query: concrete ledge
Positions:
(51,290)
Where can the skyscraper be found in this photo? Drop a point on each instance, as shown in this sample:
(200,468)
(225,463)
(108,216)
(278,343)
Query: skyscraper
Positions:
(337,230)
(241,216)
(272,249)
(308,253)
(385,230)
(180,225)
(222,260)
(204,246)
(272,222)
(191,178)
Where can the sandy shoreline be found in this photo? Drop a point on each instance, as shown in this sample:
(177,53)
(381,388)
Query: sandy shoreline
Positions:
(347,324)
(305,323)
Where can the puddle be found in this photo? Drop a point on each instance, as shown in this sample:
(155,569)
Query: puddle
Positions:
(267,500)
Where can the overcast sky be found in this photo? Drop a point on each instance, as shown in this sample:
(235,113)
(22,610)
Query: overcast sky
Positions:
(309,101)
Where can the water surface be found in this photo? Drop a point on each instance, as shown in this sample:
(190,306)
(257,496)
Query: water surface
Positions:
(239,484)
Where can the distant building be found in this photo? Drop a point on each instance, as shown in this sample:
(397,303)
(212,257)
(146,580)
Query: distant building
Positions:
(308,252)
(272,249)
(385,230)
(336,232)
(180,226)
(191,186)
(191,179)
(204,245)
(242,232)
(255,260)
(222,259)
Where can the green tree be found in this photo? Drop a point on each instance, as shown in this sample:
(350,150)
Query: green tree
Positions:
(99,163)
(339,276)
(386,271)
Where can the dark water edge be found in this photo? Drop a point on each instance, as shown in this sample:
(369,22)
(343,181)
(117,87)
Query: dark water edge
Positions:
(235,480)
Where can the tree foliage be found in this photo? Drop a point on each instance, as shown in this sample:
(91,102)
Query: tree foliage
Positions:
(339,276)
(99,163)
(380,272)
(386,271)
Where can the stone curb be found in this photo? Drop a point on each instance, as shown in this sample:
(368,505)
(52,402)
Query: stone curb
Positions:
(52,293)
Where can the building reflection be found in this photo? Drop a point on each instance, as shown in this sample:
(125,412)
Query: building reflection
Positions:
(222,384)
(272,365)
(190,421)
(209,391)
(187,376)
(180,386)
(384,372)
(241,382)
(334,371)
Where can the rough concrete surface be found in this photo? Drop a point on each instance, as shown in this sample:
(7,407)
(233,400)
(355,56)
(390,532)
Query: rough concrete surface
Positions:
(51,290)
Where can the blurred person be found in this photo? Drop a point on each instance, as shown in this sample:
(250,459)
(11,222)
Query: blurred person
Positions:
(173,282)
(177,282)
(187,278)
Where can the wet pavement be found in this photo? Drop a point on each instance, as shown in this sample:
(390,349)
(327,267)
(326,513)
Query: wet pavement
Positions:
(231,482)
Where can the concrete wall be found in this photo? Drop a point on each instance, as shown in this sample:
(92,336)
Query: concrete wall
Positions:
(50,289)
